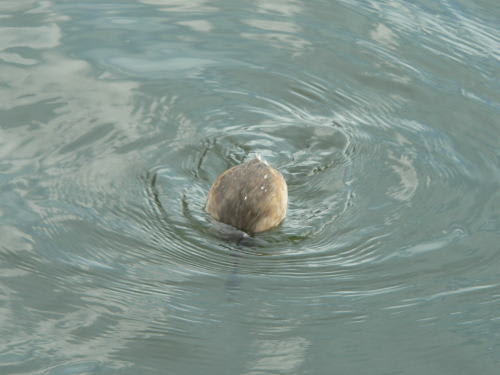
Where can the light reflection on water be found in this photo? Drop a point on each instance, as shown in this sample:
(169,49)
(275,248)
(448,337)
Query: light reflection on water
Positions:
(116,118)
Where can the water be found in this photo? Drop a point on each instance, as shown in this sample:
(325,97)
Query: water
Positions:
(115,117)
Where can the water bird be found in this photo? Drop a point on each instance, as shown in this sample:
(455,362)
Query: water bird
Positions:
(252,197)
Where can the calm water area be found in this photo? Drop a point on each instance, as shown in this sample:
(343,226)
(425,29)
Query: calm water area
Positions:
(117,115)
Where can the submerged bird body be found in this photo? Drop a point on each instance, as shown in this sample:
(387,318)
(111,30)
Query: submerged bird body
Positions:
(252,197)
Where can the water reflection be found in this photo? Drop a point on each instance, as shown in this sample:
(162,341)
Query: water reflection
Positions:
(281,34)
(202,26)
(279,355)
(32,37)
(196,6)
(409,181)
(384,35)
(116,118)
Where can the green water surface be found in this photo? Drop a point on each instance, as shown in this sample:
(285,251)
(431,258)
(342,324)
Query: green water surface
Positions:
(115,118)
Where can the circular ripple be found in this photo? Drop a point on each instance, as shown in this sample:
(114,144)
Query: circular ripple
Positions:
(363,184)
(314,159)
(356,195)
